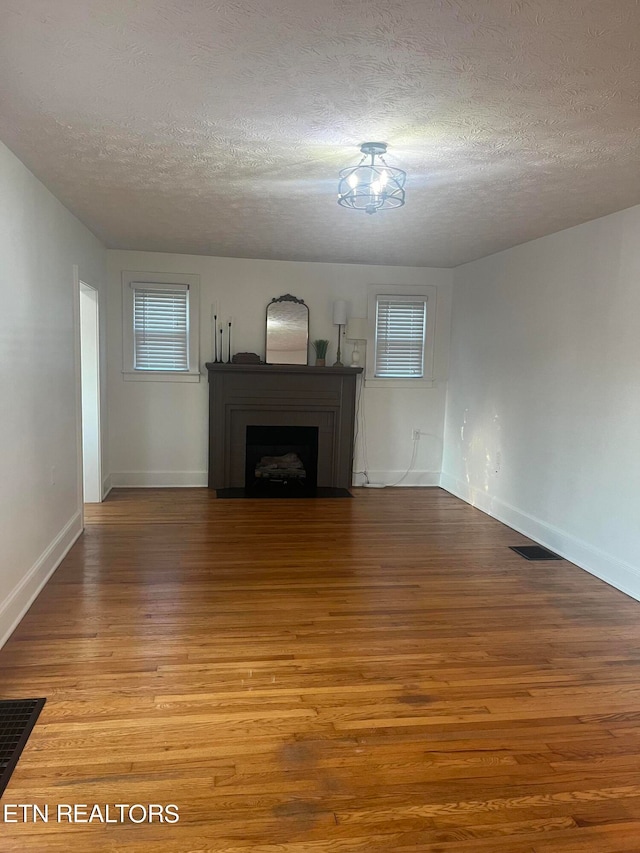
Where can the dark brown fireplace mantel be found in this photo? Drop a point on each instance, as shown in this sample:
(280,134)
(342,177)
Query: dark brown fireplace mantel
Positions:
(242,395)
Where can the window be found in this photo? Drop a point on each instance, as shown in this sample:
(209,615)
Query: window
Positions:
(160,325)
(401,335)
(400,328)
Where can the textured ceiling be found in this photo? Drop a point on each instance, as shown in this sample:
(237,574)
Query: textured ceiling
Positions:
(219,127)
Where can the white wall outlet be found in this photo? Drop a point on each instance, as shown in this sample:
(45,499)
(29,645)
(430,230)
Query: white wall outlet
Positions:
(415,435)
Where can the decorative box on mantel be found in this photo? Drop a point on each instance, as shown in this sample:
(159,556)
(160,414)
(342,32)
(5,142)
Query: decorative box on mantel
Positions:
(242,396)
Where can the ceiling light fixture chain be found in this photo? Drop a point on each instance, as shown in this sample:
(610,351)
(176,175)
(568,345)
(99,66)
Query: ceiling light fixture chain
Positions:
(374,185)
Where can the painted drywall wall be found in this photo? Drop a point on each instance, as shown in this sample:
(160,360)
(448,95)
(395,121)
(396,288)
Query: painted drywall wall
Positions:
(90,383)
(159,431)
(40,509)
(543,408)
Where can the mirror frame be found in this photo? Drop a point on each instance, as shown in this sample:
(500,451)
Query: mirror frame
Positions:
(287,297)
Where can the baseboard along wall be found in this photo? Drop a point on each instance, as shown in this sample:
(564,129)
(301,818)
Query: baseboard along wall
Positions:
(26,592)
(158,479)
(616,573)
(415,479)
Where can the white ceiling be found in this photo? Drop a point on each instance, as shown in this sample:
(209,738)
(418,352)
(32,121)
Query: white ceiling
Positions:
(218,126)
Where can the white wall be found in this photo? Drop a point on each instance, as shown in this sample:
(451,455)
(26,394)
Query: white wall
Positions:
(90,383)
(543,410)
(40,511)
(159,431)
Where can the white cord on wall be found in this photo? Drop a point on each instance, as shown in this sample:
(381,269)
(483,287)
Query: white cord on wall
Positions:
(414,453)
(360,410)
(361,432)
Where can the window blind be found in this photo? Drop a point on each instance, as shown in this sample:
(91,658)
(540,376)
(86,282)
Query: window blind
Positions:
(400,331)
(160,327)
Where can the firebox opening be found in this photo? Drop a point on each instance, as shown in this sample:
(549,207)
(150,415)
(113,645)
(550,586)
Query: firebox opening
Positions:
(282,459)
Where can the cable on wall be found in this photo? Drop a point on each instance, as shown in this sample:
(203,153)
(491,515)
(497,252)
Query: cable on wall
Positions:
(414,454)
(357,433)
(361,414)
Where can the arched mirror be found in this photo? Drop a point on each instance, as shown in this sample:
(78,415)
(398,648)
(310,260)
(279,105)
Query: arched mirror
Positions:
(287,331)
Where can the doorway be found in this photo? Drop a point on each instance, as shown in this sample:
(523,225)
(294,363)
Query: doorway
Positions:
(90,394)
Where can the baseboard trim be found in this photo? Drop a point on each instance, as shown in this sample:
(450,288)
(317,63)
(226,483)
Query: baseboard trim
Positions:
(415,479)
(616,573)
(199,479)
(26,592)
(107,485)
(159,479)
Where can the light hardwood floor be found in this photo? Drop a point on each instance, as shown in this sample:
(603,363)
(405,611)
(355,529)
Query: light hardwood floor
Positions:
(333,676)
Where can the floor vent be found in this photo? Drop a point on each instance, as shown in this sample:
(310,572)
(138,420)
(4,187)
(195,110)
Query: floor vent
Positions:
(534,552)
(17,719)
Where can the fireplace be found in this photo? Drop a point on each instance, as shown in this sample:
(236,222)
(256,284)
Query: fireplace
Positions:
(279,408)
(282,460)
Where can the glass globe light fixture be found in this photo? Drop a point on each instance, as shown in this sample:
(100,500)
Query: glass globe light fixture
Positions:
(372,185)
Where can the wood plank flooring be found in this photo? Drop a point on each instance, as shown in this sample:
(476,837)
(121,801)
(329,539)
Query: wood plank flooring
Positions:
(332,676)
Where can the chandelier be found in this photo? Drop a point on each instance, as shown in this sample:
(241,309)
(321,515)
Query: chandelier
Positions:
(372,185)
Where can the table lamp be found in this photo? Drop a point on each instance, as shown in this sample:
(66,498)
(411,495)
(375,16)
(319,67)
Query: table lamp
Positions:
(339,320)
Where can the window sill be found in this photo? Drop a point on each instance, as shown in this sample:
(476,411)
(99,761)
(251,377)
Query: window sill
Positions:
(416,384)
(158,376)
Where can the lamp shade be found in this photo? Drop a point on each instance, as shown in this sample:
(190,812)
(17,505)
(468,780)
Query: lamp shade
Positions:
(339,312)
(357,328)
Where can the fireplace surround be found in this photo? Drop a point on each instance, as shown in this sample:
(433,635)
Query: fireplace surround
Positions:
(243,396)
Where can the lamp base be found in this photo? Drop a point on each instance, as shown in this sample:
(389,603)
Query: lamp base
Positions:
(338,361)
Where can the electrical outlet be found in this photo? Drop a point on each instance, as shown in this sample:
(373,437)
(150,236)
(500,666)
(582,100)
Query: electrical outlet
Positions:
(415,435)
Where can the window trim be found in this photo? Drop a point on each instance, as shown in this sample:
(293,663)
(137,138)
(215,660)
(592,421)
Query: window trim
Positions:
(129,372)
(426,292)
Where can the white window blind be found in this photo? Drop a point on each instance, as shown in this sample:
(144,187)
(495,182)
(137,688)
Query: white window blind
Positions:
(400,337)
(160,326)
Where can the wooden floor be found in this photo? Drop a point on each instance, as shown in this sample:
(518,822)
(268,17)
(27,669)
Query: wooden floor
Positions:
(332,676)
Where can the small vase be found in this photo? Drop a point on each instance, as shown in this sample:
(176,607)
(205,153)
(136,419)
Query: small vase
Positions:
(320,362)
